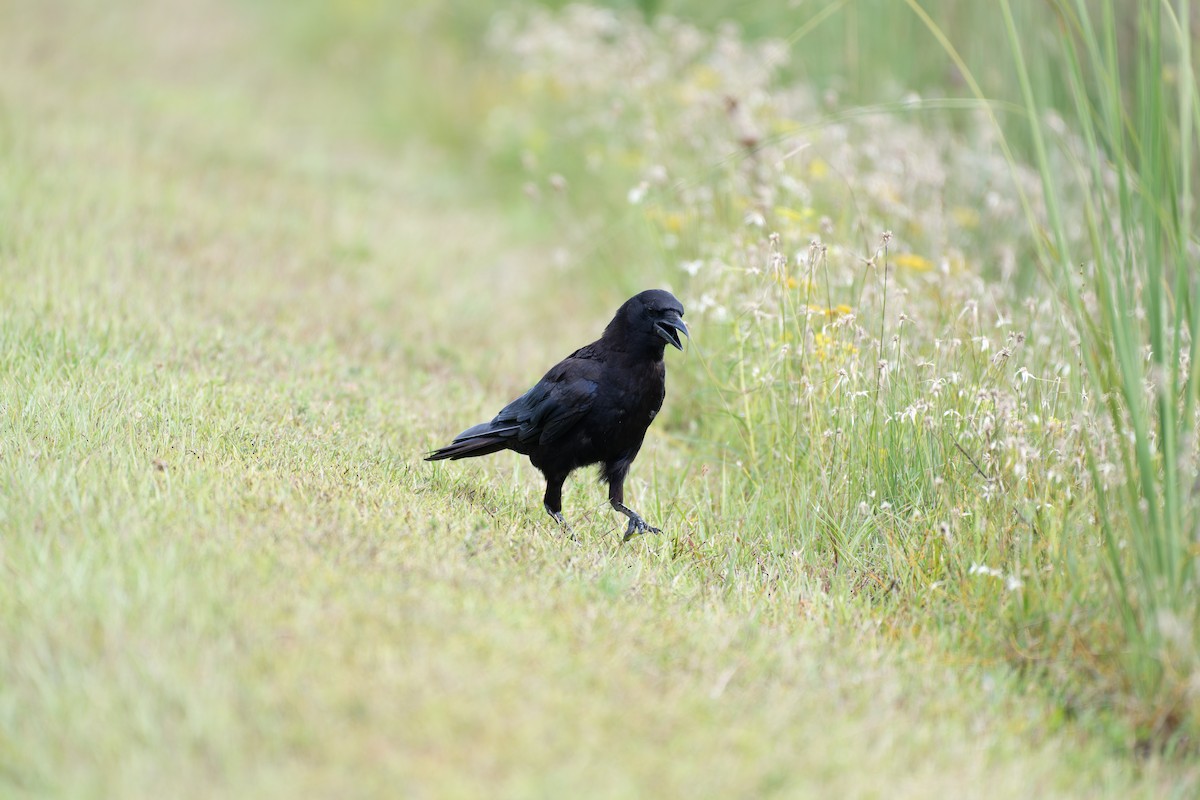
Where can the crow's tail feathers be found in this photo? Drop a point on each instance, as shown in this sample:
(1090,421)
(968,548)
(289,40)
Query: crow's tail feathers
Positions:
(478,441)
(468,449)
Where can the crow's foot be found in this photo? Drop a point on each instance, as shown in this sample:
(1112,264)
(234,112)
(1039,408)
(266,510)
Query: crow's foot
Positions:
(636,525)
(561,520)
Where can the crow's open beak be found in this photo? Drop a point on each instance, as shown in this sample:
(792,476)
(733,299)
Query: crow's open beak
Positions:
(667,327)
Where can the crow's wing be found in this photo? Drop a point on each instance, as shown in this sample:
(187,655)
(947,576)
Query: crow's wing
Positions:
(548,410)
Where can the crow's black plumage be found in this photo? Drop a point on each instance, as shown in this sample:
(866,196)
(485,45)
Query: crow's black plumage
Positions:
(593,407)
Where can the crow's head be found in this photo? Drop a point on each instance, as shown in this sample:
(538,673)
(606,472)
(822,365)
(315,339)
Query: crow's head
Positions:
(651,320)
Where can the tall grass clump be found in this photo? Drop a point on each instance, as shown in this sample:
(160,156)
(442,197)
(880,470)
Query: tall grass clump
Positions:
(1132,291)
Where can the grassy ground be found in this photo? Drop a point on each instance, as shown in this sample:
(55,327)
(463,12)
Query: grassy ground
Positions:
(238,305)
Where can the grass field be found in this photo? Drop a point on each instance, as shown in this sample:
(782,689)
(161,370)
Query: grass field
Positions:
(255,263)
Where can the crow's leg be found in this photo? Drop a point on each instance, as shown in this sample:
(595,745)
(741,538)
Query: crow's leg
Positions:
(616,498)
(553,498)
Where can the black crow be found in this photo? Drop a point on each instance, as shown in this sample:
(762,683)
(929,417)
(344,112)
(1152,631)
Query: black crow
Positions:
(593,407)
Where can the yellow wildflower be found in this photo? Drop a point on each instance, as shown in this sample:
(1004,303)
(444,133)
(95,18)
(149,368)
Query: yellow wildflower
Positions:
(788,281)
(837,311)
(803,215)
(705,77)
(965,217)
(828,348)
(913,261)
(628,157)
(669,221)
(781,126)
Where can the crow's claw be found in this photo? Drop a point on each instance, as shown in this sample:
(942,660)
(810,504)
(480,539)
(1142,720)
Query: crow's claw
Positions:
(638,525)
(561,520)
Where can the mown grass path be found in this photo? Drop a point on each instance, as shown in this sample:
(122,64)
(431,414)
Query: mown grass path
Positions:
(231,324)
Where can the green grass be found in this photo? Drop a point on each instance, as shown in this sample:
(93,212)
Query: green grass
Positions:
(242,296)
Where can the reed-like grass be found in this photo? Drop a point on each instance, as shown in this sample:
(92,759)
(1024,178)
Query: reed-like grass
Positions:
(1132,288)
